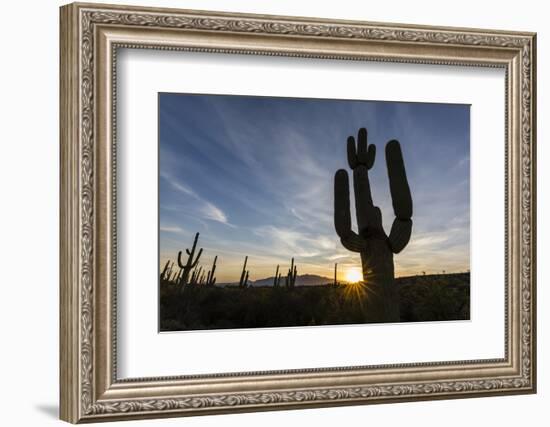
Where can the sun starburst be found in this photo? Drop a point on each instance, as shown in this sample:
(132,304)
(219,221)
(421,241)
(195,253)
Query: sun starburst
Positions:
(354,275)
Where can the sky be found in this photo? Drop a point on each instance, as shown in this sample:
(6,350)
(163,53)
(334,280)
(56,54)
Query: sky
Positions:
(254,176)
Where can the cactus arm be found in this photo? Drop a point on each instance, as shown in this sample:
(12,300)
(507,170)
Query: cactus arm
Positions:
(365,152)
(401,229)
(400,234)
(371,155)
(197,258)
(180,263)
(399,186)
(342,217)
(352,154)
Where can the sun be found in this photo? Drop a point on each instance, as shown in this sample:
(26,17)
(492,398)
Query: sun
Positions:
(353,275)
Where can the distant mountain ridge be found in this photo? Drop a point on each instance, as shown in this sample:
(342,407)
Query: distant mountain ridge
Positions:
(316,280)
(301,280)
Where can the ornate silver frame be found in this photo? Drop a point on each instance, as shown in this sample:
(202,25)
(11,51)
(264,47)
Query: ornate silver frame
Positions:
(90,36)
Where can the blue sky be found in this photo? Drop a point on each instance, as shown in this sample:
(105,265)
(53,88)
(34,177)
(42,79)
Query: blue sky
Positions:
(254,175)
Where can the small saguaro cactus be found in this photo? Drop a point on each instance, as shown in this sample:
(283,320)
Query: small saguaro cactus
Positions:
(178,277)
(210,278)
(243,282)
(174,275)
(195,275)
(277,278)
(171,268)
(191,263)
(335,274)
(164,270)
(376,248)
(291,275)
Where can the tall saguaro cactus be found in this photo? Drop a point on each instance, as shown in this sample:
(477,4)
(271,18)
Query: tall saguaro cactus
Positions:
(191,262)
(371,241)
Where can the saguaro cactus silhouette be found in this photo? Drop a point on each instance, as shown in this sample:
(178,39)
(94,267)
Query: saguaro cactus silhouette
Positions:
(243,281)
(290,280)
(211,278)
(195,276)
(164,271)
(277,278)
(371,241)
(191,263)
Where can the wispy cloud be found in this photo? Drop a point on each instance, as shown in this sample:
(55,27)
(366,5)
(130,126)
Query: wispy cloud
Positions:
(298,243)
(205,208)
(180,187)
(212,212)
(168,229)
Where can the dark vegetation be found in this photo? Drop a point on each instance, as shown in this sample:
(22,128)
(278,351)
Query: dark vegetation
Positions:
(422,298)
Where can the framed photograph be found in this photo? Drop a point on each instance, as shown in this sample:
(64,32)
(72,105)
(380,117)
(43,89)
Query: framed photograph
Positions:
(266,212)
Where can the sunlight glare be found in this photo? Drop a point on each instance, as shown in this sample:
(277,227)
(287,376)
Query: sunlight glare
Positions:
(354,275)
